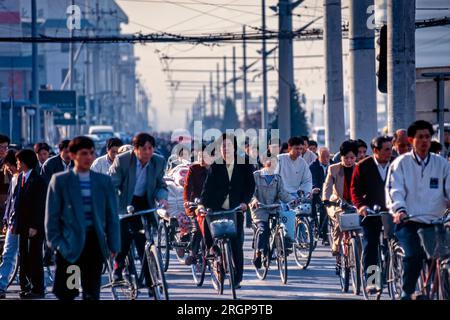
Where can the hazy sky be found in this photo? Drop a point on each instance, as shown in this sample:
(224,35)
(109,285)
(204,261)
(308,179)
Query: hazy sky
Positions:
(212,16)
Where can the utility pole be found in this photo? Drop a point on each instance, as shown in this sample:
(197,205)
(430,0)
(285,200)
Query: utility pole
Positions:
(334,92)
(35,75)
(363,87)
(264,115)
(244,71)
(234,77)
(211,94)
(218,90)
(224,81)
(285,67)
(72,75)
(204,102)
(401,63)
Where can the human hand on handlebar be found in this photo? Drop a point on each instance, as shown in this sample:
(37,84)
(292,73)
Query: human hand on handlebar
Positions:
(399,216)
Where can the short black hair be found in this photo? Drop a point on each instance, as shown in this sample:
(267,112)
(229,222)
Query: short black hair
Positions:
(141,139)
(305,138)
(361,143)
(113,142)
(419,125)
(349,146)
(79,143)
(28,157)
(295,141)
(41,146)
(10,157)
(63,145)
(435,147)
(313,143)
(284,146)
(4,139)
(447,130)
(377,143)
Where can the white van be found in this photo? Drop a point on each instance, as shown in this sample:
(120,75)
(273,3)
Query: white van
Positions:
(102,132)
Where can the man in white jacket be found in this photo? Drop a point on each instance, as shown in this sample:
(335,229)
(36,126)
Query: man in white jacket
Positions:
(294,171)
(418,186)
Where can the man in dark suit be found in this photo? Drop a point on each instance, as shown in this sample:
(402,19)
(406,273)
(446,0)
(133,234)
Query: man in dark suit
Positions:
(137,176)
(230,183)
(367,189)
(319,173)
(82,224)
(60,162)
(30,210)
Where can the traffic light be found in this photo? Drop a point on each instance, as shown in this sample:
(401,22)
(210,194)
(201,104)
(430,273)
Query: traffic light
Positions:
(382,60)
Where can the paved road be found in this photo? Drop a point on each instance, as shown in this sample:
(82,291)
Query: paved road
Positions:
(317,282)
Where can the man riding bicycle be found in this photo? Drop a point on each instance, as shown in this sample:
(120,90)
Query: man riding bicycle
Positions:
(418,186)
(138,177)
(367,190)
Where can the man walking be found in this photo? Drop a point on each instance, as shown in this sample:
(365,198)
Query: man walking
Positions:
(82,223)
(103,163)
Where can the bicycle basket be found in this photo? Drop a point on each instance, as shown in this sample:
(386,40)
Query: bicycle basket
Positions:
(222,225)
(349,221)
(435,241)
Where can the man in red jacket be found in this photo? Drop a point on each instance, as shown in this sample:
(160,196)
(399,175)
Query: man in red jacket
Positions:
(367,190)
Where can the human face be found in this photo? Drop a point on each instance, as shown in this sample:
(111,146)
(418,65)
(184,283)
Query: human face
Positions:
(21,166)
(65,155)
(385,153)
(83,159)
(313,149)
(361,153)
(274,149)
(43,156)
(348,160)
(421,142)
(227,149)
(3,149)
(205,159)
(446,137)
(144,153)
(402,145)
(296,151)
(113,152)
(324,157)
(12,169)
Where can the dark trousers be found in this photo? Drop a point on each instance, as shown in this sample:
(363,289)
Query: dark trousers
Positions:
(237,245)
(322,224)
(370,241)
(196,236)
(90,265)
(413,261)
(31,263)
(129,231)
(262,238)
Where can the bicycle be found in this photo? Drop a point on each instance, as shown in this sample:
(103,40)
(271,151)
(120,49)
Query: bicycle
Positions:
(381,271)
(349,266)
(151,259)
(275,248)
(304,239)
(222,225)
(436,272)
(169,238)
(198,268)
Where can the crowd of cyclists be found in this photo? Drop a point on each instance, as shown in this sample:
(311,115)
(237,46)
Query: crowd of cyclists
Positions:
(64,210)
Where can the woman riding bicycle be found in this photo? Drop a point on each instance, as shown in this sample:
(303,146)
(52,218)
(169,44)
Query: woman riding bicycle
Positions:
(269,190)
(337,187)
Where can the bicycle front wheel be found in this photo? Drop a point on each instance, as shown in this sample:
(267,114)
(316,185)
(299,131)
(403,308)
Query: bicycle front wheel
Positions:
(199,267)
(261,273)
(159,285)
(395,272)
(354,265)
(230,267)
(444,281)
(163,244)
(281,255)
(303,245)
